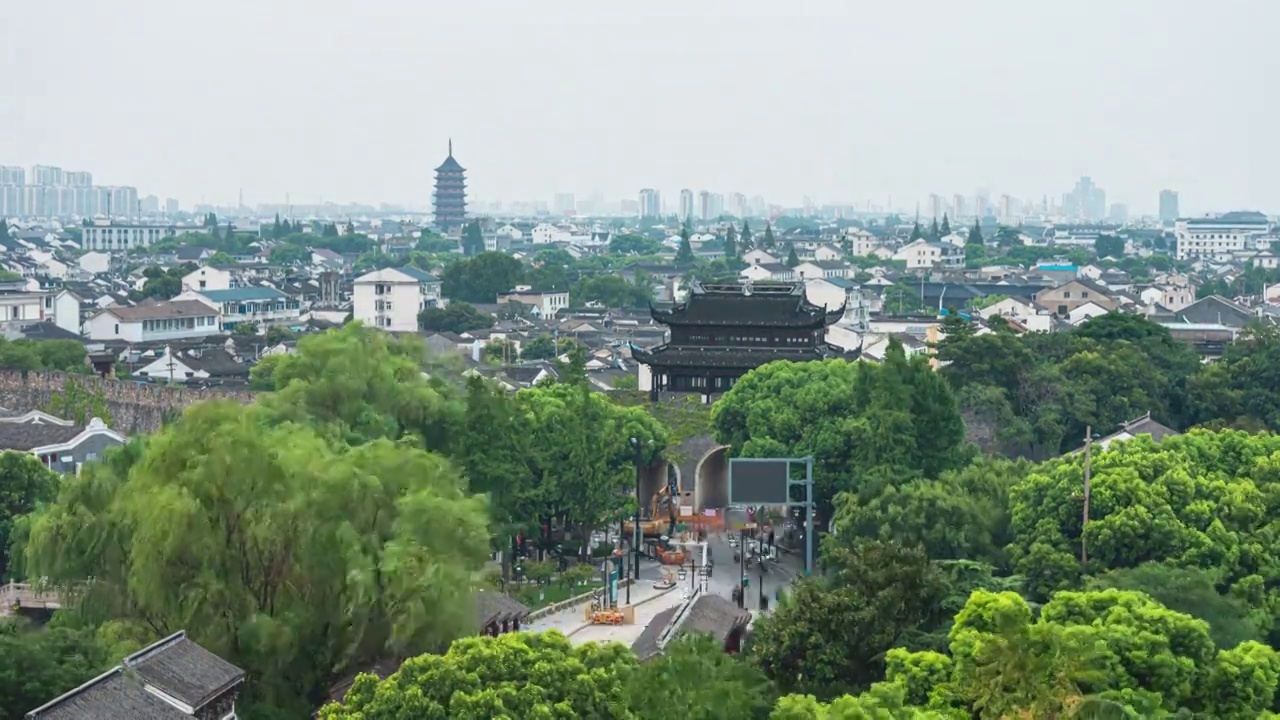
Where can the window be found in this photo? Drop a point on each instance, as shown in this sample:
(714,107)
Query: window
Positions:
(117,328)
(1067,294)
(1084,294)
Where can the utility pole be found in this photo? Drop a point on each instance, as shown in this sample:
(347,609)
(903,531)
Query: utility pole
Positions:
(1084,521)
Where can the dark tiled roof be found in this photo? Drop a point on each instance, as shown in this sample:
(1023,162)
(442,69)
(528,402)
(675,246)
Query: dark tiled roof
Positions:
(678,356)
(1215,309)
(494,606)
(1146,426)
(162,310)
(707,614)
(184,670)
(767,305)
(110,696)
(25,436)
(450,165)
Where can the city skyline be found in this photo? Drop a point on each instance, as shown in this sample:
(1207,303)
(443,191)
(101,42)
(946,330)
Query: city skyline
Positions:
(729,96)
(52,191)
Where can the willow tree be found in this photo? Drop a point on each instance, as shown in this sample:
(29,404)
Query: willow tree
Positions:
(581,455)
(356,384)
(291,558)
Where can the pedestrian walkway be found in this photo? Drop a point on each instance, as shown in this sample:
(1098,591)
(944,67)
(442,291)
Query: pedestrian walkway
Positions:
(571,620)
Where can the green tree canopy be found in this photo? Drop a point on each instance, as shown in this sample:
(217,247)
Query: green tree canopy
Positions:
(634,244)
(25,483)
(856,419)
(472,239)
(522,675)
(457,317)
(481,278)
(301,563)
(684,255)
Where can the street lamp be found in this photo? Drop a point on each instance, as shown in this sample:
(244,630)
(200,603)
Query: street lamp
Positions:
(635,525)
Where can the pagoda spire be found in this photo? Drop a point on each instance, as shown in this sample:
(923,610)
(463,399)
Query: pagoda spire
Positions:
(450,147)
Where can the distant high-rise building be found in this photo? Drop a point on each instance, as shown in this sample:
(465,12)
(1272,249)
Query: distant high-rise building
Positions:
(937,207)
(738,205)
(957,206)
(451,193)
(564,204)
(758,207)
(1168,206)
(704,205)
(149,205)
(982,205)
(1007,208)
(1087,201)
(1119,213)
(686,204)
(46,175)
(12,175)
(171,206)
(650,202)
(77,178)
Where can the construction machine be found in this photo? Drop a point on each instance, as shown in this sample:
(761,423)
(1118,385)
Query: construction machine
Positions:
(662,516)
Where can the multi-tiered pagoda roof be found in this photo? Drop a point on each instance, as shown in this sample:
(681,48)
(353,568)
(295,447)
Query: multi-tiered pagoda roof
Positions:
(451,193)
(725,330)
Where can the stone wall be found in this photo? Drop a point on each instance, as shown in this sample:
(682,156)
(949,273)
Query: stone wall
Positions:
(135,408)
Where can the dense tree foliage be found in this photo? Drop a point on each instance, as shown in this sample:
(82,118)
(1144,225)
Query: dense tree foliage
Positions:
(163,284)
(481,278)
(522,675)
(303,560)
(458,317)
(1200,500)
(25,483)
(65,355)
(860,421)
(37,665)
(1034,394)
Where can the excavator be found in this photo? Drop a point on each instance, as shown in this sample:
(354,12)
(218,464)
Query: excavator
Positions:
(662,517)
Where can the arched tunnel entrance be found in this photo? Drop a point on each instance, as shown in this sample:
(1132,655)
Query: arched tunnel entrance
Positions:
(712,480)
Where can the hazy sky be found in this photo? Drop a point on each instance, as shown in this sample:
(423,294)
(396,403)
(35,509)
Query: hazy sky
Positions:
(837,99)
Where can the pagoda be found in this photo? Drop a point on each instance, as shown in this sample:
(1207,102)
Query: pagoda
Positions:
(724,330)
(451,194)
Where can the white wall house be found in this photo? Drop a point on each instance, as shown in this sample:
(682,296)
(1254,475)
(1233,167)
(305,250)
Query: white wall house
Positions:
(207,278)
(767,272)
(262,305)
(17,303)
(826,252)
(756,256)
(66,311)
(391,298)
(1026,313)
(823,269)
(168,320)
(1218,237)
(547,304)
(861,242)
(545,233)
(923,254)
(126,237)
(830,293)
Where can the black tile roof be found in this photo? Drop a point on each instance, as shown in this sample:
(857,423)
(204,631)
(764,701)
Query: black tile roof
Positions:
(492,606)
(110,696)
(764,305)
(184,670)
(25,436)
(676,356)
(706,614)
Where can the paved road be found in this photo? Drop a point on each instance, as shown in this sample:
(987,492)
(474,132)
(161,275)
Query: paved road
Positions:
(725,576)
